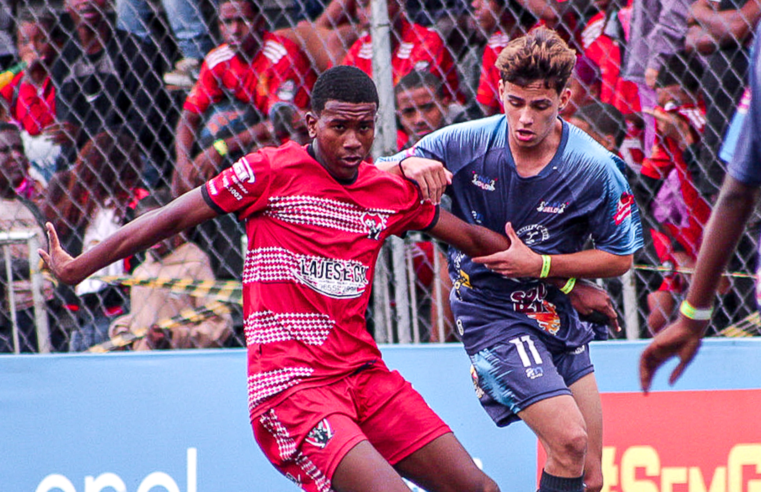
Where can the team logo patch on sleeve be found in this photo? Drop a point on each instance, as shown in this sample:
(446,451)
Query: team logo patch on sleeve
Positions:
(320,434)
(624,208)
(243,171)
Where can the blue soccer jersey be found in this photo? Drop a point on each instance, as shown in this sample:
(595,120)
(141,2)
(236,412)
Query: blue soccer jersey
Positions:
(580,194)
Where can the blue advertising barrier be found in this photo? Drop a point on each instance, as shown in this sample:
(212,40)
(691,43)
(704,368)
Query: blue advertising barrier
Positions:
(177,421)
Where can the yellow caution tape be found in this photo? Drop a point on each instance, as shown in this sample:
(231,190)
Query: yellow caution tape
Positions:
(222,290)
(190,315)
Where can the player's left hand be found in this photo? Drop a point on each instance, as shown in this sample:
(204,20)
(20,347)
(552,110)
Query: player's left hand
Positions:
(587,297)
(516,261)
(681,339)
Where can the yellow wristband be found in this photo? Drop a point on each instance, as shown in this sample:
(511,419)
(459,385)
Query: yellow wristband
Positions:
(546,261)
(691,312)
(569,285)
(221,147)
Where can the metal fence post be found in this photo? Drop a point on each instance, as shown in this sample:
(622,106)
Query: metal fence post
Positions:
(631,316)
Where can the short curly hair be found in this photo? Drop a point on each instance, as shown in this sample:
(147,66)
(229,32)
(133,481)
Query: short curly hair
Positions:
(346,84)
(540,55)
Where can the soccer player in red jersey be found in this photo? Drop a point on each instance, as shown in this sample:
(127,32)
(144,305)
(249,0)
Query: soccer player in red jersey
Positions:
(413,47)
(254,69)
(324,407)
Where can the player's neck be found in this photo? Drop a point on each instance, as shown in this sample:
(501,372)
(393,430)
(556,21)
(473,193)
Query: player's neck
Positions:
(530,161)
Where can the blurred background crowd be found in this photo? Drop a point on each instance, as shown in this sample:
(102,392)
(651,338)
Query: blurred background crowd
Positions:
(109,110)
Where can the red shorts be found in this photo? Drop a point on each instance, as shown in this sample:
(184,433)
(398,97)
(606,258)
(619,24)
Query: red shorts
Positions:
(308,434)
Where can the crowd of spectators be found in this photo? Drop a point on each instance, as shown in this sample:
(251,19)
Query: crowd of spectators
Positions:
(113,103)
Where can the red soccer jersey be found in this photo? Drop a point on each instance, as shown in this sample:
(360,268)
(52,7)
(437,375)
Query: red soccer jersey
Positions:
(279,72)
(605,53)
(312,246)
(488,83)
(420,48)
(32,107)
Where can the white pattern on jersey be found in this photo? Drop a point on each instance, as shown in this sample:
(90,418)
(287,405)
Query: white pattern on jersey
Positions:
(269,327)
(219,55)
(324,212)
(592,31)
(287,448)
(498,40)
(274,51)
(263,385)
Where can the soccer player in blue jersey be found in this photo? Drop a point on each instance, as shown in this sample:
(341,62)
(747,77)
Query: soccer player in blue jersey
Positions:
(555,187)
(735,205)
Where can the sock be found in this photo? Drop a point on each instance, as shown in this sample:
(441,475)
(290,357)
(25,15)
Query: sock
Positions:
(551,483)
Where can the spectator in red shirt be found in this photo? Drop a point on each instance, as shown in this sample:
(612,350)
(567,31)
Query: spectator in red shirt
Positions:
(501,21)
(30,97)
(413,47)
(239,83)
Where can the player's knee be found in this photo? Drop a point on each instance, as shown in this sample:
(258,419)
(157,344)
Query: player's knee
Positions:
(571,447)
(593,485)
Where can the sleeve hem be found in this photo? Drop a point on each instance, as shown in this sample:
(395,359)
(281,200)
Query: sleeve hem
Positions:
(210,202)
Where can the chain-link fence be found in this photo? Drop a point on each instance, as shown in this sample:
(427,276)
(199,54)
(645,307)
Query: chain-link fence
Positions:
(115,102)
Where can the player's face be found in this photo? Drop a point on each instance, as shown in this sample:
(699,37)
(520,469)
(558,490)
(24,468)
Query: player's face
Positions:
(13,161)
(420,111)
(531,111)
(239,24)
(343,134)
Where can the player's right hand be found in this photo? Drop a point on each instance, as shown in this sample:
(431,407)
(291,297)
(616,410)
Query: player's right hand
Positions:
(430,175)
(681,339)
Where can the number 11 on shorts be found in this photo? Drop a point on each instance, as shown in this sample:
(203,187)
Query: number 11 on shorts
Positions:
(520,344)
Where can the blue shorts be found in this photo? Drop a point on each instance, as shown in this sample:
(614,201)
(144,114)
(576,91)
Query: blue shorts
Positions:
(512,375)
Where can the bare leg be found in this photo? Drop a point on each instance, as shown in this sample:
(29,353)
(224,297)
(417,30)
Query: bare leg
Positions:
(560,427)
(587,397)
(363,469)
(443,465)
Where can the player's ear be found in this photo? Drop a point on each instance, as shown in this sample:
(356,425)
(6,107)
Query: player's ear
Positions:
(565,98)
(311,120)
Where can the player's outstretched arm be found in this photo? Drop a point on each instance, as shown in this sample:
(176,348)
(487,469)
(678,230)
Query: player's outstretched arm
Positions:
(521,261)
(682,338)
(184,212)
(471,239)
(475,240)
